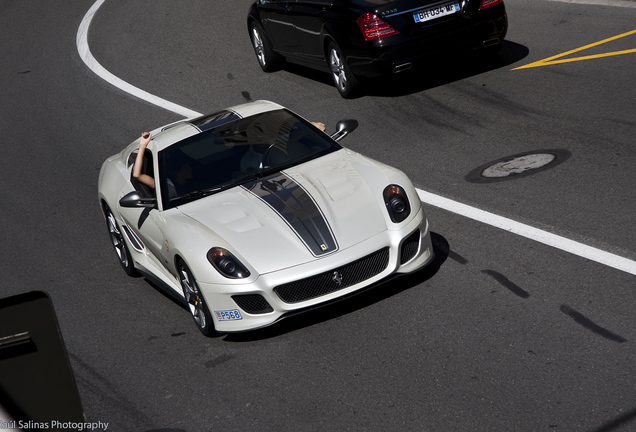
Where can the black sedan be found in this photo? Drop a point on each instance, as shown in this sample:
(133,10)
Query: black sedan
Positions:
(353,39)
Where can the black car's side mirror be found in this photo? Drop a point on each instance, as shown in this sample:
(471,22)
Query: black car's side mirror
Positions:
(135,199)
(344,128)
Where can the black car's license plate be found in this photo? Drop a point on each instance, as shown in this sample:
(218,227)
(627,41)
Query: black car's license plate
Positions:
(436,12)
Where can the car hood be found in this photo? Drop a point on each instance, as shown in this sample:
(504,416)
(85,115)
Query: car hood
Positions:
(299,214)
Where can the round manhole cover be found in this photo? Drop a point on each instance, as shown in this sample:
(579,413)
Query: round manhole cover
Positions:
(518,165)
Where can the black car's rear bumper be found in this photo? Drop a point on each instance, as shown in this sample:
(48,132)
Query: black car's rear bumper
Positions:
(375,60)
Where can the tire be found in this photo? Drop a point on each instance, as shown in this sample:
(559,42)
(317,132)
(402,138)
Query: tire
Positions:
(268,60)
(346,82)
(119,244)
(196,303)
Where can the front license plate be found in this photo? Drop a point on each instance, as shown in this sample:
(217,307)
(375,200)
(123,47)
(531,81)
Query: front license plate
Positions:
(436,12)
(228,315)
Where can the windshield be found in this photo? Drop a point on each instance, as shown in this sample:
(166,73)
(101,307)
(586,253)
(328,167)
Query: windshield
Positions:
(237,152)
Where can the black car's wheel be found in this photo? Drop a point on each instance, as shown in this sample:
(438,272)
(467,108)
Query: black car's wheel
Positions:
(267,58)
(194,299)
(119,244)
(344,80)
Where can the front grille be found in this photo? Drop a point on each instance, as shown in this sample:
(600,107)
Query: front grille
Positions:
(334,280)
(253,303)
(410,247)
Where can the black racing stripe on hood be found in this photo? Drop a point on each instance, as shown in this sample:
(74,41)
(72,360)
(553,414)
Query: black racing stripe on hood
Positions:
(292,202)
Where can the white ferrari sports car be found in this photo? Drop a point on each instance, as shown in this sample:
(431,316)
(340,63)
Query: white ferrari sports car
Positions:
(257,214)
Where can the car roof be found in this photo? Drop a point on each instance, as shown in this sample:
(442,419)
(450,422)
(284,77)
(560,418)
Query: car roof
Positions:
(172,133)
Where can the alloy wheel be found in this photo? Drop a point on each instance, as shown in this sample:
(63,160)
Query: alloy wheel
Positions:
(337,70)
(258,46)
(193,298)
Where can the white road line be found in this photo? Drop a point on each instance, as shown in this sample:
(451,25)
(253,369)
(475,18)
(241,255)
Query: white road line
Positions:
(615,261)
(87,57)
(600,256)
(616,3)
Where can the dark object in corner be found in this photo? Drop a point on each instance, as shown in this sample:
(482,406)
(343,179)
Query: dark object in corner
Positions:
(36,380)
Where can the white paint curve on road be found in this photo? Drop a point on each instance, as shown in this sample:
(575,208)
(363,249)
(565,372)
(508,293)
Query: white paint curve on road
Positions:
(90,61)
(614,3)
(600,256)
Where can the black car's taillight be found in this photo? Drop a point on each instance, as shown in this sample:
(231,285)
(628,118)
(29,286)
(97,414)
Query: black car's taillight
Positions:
(488,3)
(374,28)
(397,203)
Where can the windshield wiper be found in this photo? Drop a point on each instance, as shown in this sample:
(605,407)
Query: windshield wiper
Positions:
(264,172)
(199,193)
(210,191)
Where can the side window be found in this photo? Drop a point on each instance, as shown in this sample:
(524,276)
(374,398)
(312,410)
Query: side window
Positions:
(146,168)
(131,160)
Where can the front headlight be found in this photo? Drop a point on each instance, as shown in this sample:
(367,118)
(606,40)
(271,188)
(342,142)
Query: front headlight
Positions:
(227,264)
(397,203)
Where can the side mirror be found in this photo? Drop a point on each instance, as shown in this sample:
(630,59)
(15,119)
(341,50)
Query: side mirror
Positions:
(344,128)
(135,199)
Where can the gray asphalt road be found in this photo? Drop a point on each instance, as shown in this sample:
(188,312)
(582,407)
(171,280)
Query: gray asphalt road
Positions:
(508,334)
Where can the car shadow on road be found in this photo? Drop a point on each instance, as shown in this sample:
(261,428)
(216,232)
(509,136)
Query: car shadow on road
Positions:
(375,294)
(442,70)
(618,422)
(446,69)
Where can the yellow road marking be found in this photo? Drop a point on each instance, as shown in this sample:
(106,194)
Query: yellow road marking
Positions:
(552,60)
